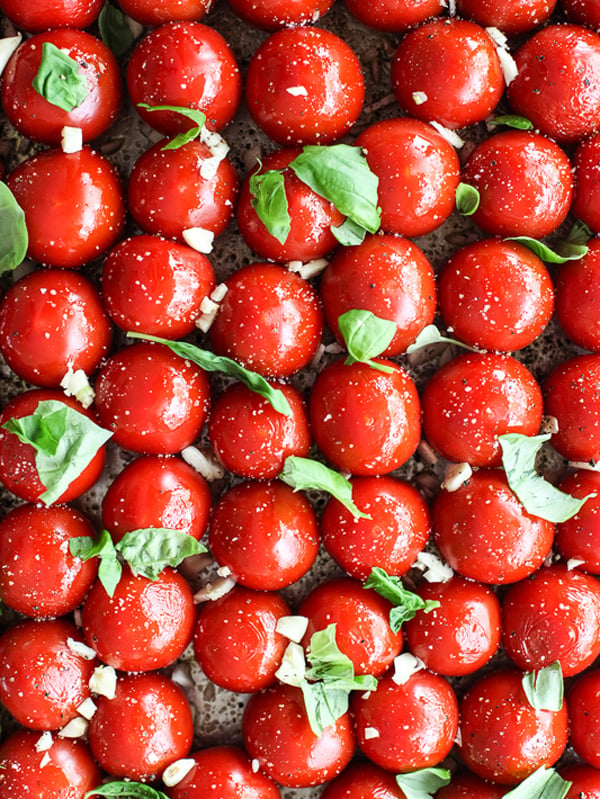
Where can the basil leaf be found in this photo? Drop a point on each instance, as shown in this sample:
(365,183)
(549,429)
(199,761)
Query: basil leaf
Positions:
(573,251)
(269,200)
(150,550)
(542,784)
(14,238)
(197,117)
(65,442)
(110,569)
(114,30)
(406,603)
(324,705)
(513,121)
(575,246)
(422,784)
(537,495)
(340,173)
(366,336)
(219,363)
(304,474)
(349,233)
(58,79)
(544,689)
(467,199)
(431,335)
(580,233)
(128,789)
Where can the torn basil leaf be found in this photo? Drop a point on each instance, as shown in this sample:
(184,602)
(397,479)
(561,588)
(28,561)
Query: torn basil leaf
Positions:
(424,783)
(573,251)
(544,783)
(269,200)
(114,30)
(513,121)
(58,79)
(349,233)
(366,336)
(406,603)
(544,688)
(109,568)
(431,335)
(305,474)
(150,550)
(14,238)
(467,199)
(195,116)
(127,789)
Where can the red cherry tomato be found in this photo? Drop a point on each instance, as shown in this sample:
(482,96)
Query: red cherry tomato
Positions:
(235,641)
(43,679)
(418,173)
(270,15)
(585,781)
(586,195)
(387,275)
(304,86)
(468,786)
(73,206)
(363,780)
(154,401)
(577,288)
(365,421)
(583,702)
(52,320)
(266,534)
(496,295)
(585,12)
(391,16)
(277,733)
(38,575)
(184,64)
(38,118)
(454,64)
(38,17)
(147,12)
(270,320)
(143,729)
(516,16)
(578,538)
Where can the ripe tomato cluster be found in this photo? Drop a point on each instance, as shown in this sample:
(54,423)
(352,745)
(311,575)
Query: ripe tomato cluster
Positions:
(280,343)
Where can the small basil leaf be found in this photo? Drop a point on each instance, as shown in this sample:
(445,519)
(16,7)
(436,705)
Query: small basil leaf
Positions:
(574,251)
(513,121)
(304,474)
(195,116)
(349,233)
(218,363)
(406,603)
(431,335)
(324,705)
(114,30)
(537,495)
(269,200)
(110,569)
(542,784)
(150,550)
(65,442)
(544,689)
(366,336)
(579,234)
(424,783)
(127,789)
(58,79)
(14,238)
(467,199)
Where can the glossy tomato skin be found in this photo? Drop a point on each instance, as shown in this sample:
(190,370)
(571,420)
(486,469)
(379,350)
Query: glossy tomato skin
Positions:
(584,12)
(270,320)
(157,491)
(555,615)
(577,290)
(578,538)
(48,14)
(587,182)
(387,275)
(485,533)
(154,401)
(524,181)
(52,320)
(585,781)
(184,64)
(155,286)
(366,422)
(40,120)
(475,398)
(146,12)
(418,173)
(143,729)
(391,539)
(469,786)
(583,702)
(504,739)
(326,80)
(38,575)
(495,295)
(235,640)
(518,16)
(363,780)
(265,533)
(271,15)
(391,16)
(73,206)
(276,732)
(454,63)
(251,438)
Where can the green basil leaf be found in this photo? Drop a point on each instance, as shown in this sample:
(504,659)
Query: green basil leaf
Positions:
(574,251)
(324,705)
(114,30)
(580,233)
(467,199)
(513,121)
(14,238)
(340,173)
(406,603)
(349,233)
(195,116)
(58,79)
(65,442)
(537,495)
(110,569)
(366,336)
(150,550)
(542,784)
(219,363)
(127,789)
(305,474)
(544,689)
(431,335)
(422,784)
(269,200)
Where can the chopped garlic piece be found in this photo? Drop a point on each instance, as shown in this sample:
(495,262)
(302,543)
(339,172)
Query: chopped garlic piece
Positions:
(592,466)
(371,732)
(405,665)
(508,65)
(200,239)
(497,36)
(293,666)
(76,728)
(452,8)
(207,466)
(450,136)
(208,306)
(297,91)
(214,590)
(219,292)
(292,627)
(71,139)
(104,682)
(45,760)
(458,739)
(87,708)
(8,45)
(309,269)
(76,384)
(223,571)
(174,773)
(549,425)
(81,649)
(573,563)
(419,98)
(44,742)
(456,476)
(433,568)
(255,765)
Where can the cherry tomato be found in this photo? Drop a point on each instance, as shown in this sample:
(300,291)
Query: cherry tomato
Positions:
(251,438)
(270,320)
(583,702)
(555,615)
(387,275)
(468,786)
(365,421)
(585,781)
(418,173)
(363,780)
(266,534)
(38,17)
(38,575)
(41,120)
(277,733)
(577,288)
(73,206)
(52,320)
(235,641)
(147,12)
(270,15)
(143,729)
(577,538)
(185,64)
(391,16)
(475,398)
(485,533)
(451,63)
(524,182)
(516,16)
(43,678)
(496,295)
(304,86)
(586,164)
(154,401)
(585,12)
